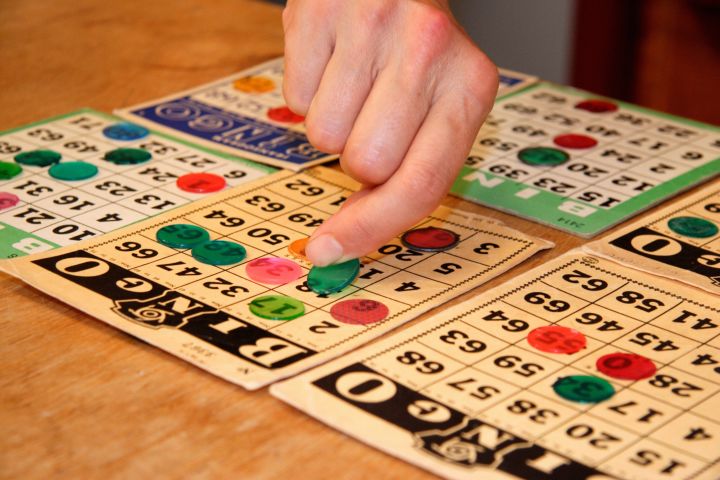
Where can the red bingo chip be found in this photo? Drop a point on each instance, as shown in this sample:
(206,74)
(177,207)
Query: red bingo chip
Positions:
(273,270)
(596,105)
(8,200)
(201,182)
(430,239)
(557,339)
(358,311)
(626,366)
(573,140)
(284,115)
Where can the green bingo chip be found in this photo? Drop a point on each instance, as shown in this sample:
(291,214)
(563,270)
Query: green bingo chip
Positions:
(73,171)
(333,278)
(127,156)
(277,307)
(181,235)
(9,170)
(219,252)
(583,388)
(38,158)
(543,156)
(693,227)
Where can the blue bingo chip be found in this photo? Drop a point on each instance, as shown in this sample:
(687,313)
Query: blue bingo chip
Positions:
(125,131)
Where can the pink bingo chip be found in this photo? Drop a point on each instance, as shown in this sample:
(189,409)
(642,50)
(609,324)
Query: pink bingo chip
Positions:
(8,200)
(273,270)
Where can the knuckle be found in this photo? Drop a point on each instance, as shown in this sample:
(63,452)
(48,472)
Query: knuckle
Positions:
(294,86)
(482,76)
(314,10)
(363,230)
(435,22)
(364,168)
(376,15)
(432,26)
(310,8)
(287,15)
(426,186)
(294,98)
(322,8)
(427,40)
(473,96)
(291,18)
(322,136)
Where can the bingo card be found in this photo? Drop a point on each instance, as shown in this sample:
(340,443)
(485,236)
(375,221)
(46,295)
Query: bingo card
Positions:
(681,241)
(511,81)
(245,114)
(222,282)
(77,176)
(579,163)
(580,368)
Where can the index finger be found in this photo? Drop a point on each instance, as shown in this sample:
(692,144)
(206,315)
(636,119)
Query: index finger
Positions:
(415,190)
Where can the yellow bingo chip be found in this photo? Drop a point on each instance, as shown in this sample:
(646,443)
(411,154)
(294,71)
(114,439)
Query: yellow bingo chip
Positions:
(254,84)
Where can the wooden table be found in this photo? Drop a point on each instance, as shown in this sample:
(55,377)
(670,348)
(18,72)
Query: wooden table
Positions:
(83,400)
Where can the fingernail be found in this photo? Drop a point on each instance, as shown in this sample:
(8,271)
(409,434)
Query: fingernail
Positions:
(324,250)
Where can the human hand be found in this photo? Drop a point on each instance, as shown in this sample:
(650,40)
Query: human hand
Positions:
(398,89)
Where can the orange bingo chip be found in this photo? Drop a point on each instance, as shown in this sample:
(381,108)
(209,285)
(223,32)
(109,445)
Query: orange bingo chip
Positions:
(297,248)
(254,84)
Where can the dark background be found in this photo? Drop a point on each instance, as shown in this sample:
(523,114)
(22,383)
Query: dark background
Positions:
(663,54)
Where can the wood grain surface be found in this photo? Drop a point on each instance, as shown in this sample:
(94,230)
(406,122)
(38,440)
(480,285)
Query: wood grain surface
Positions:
(83,400)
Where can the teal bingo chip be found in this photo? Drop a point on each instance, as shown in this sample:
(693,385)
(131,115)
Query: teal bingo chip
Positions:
(219,252)
(181,235)
(73,171)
